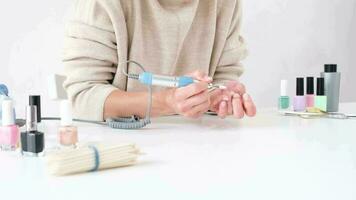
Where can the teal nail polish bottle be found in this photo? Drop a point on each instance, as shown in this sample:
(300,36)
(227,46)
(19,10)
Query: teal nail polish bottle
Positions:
(283,101)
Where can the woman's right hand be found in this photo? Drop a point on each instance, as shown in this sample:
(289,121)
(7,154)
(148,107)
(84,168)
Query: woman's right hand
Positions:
(193,100)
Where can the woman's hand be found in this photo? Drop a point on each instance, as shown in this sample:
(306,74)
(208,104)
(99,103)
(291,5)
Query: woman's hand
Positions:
(232,101)
(193,100)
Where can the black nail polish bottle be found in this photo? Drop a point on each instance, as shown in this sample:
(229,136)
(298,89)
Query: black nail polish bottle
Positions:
(32,141)
(35,100)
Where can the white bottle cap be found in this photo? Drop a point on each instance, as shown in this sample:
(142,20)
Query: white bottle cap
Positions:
(66,113)
(284,88)
(7,113)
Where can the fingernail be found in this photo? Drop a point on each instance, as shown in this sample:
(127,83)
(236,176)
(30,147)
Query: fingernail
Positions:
(236,96)
(246,97)
(223,104)
(225,98)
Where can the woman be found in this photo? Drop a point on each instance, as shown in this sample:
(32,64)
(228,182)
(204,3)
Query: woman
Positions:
(199,38)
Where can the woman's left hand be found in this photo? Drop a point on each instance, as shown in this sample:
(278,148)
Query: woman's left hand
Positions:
(232,101)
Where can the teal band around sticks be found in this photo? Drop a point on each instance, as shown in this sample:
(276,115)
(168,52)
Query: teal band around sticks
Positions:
(96,157)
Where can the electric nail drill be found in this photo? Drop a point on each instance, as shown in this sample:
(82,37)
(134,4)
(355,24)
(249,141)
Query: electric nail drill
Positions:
(148,78)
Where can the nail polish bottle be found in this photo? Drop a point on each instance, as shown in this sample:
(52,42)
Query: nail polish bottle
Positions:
(4,95)
(9,132)
(332,86)
(320,99)
(32,141)
(310,92)
(283,102)
(35,100)
(299,100)
(2,98)
(68,134)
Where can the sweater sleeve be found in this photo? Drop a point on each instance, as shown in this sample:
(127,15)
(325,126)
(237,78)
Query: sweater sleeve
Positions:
(229,66)
(90,59)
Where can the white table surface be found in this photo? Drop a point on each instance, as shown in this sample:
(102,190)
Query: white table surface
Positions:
(266,157)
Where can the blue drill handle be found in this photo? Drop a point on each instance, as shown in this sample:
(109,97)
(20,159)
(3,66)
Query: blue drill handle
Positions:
(185,81)
(148,78)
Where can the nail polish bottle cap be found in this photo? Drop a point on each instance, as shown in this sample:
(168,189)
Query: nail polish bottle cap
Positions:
(4,90)
(35,100)
(320,87)
(300,86)
(7,113)
(330,68)
(310,85)
(284,87)
(66,113)
(31,118)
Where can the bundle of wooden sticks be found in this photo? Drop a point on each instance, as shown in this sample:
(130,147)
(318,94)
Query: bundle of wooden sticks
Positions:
(91,158)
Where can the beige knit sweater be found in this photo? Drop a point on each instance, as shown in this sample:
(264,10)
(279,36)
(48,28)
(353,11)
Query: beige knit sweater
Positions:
(170,37)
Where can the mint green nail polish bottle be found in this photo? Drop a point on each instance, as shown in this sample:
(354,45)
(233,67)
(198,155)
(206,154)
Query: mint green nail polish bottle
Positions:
(321,98)
(283,101)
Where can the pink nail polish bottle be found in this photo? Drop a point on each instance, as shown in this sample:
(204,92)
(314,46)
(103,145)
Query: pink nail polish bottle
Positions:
(9,132)
(299,102)
(310,92)
(68,134)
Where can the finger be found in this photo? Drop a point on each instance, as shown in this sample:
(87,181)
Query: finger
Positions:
(218,97)
(229,103)
(240,88)
(215,107)
(249,105)
(236,87)
(227,96)
(200,76)
(215,93)
(231,84)
(222,109)
(199,110)
(190,90)
(238,109)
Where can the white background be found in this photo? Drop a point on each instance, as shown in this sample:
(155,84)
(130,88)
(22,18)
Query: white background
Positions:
(286,38)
